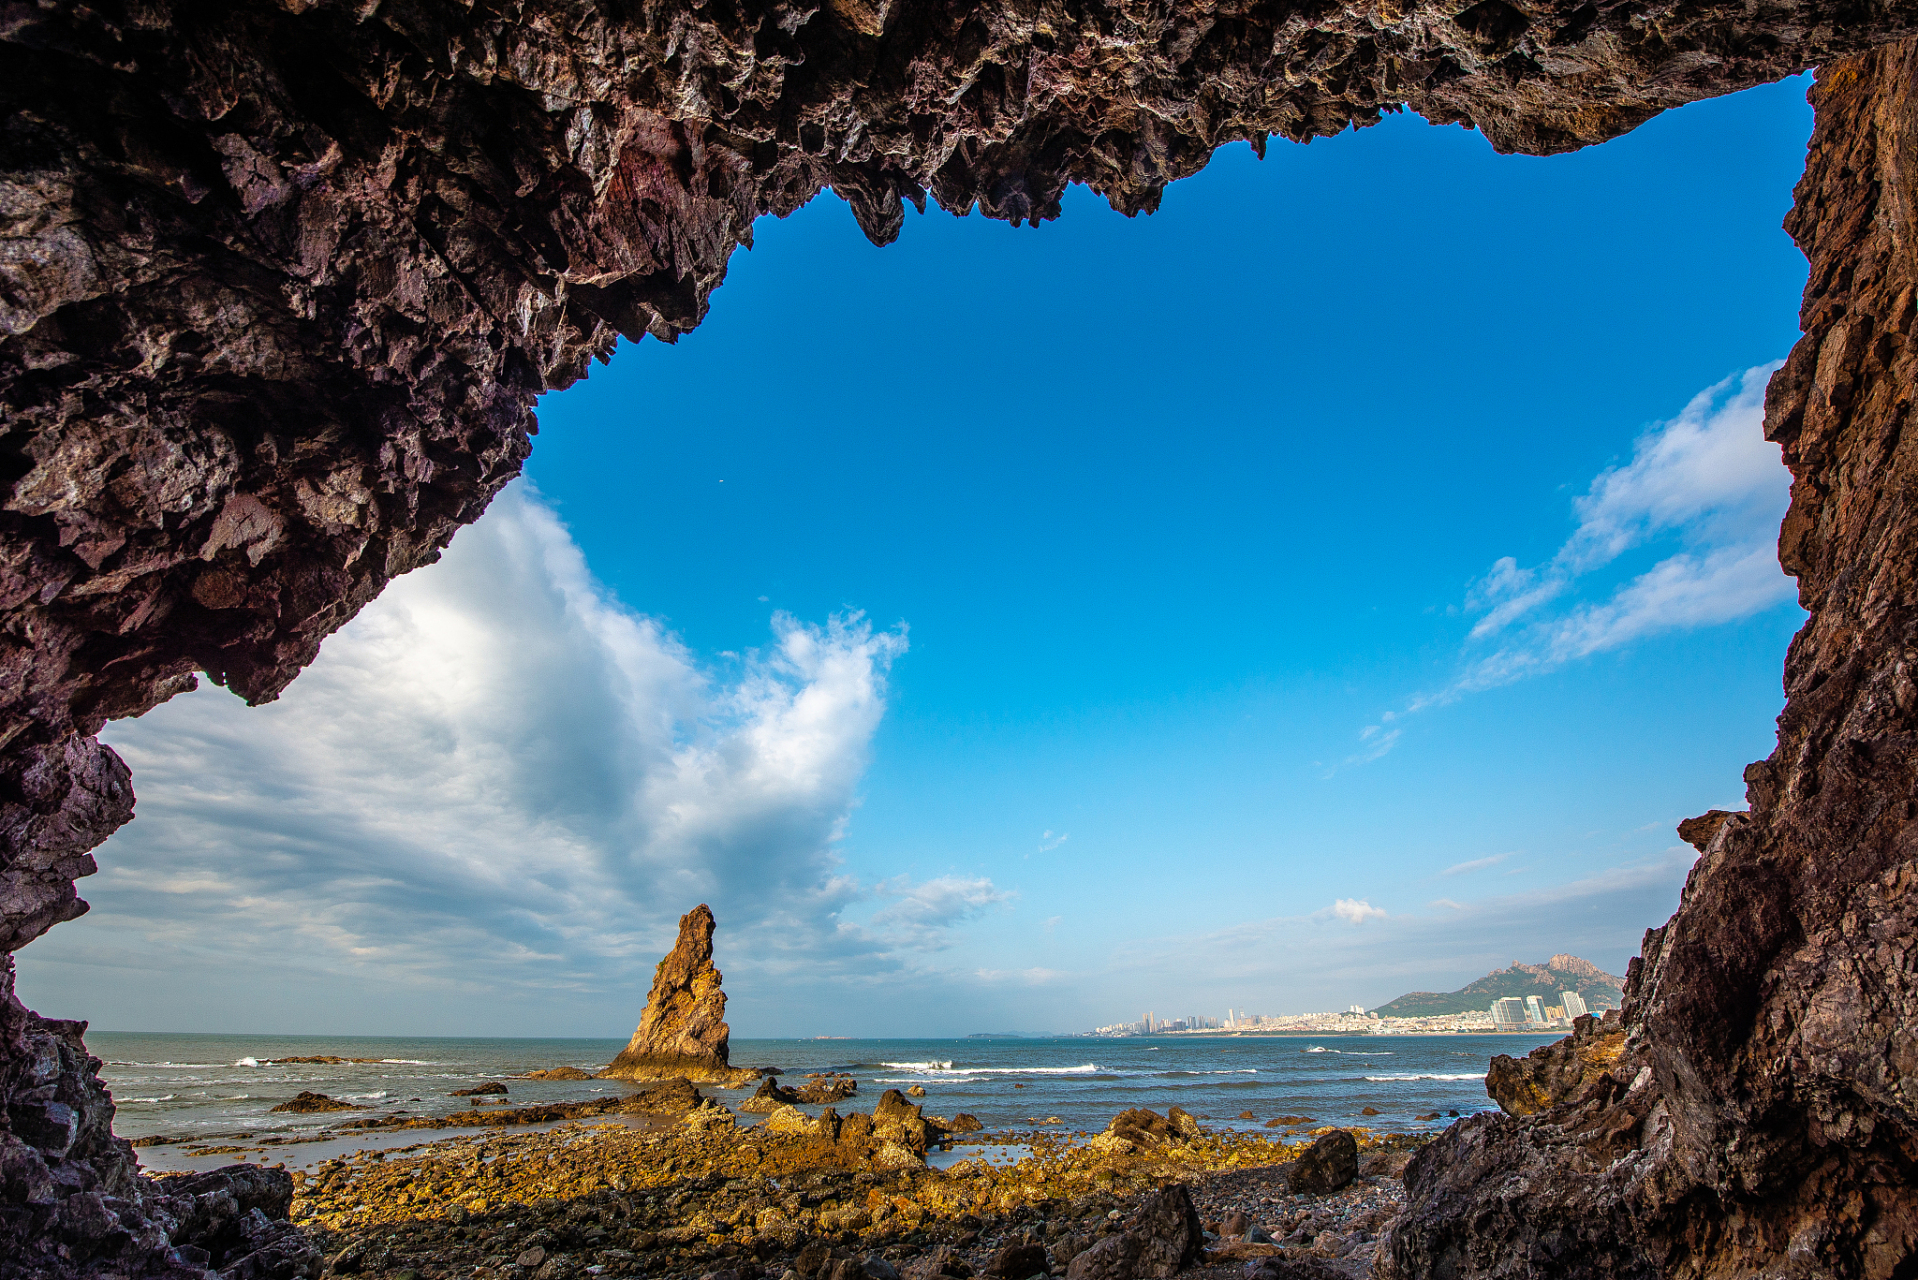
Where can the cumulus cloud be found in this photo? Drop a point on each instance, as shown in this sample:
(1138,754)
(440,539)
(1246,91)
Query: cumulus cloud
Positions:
(1355,910)
(1704,492)
(498,783)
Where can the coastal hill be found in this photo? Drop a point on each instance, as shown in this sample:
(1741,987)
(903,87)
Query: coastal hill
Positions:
(1561,973)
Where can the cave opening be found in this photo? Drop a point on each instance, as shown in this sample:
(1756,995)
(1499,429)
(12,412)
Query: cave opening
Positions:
(268,345)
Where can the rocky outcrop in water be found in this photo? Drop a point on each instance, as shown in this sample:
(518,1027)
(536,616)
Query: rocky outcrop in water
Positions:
(1750,1112)
(683,1034)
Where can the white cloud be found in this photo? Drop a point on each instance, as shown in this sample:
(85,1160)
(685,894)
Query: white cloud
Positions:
(1356,910)
(1706,484)
(498,788)
(1476,864)
(1048,842)
(923,915)
(1709,479)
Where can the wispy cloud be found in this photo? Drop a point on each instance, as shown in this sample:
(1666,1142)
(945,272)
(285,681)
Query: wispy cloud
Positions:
(924,914)
(1048,842)
(1476,864)
(497,789)
(1705,485)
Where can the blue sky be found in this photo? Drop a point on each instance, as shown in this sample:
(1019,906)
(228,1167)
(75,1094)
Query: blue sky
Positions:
(1335,584)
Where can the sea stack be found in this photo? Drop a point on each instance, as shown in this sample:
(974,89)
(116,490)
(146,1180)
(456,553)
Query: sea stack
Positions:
(683,1031)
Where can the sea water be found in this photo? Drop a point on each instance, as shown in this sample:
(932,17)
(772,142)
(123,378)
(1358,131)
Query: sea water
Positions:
(190,1086)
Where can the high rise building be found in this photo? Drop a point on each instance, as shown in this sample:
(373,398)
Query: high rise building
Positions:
(1574,1003)
(1508,1014)
(1535,1009)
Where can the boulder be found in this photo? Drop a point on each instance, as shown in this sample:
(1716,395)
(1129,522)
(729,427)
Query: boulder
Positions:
(822,1089)
(1385,1164)
(683,1031)
(307,1102)
(480,1090)
(965,1122)
(917,1091)
(769,1097)
(896,1120)
(1182,1122)
(1019,1260)
(1136,1130)
(943,1263)
(1161,1238)
(1328,1164)
(670,1096)
(1281,1268)
(786,1118)
(557,1073)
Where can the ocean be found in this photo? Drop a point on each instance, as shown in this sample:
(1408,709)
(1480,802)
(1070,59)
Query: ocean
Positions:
(188,1086)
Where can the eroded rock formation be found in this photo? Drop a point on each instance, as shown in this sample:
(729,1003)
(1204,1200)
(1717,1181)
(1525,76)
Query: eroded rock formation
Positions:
(1752,1113)
(683,1034)
(279,283)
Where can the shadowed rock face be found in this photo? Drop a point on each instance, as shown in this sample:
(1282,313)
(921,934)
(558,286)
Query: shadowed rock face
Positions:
(683,1034)
(279,284)
(1757,1111)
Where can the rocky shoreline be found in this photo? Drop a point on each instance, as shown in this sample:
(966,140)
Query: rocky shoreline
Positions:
(704,1197)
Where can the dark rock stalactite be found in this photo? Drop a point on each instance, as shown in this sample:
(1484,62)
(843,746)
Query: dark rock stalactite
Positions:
(1754,1114)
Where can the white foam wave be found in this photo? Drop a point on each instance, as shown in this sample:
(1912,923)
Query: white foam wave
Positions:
(364,1097)
(1084,1069)
(165,1097)
(247,1062)
(1469,1075)
(412,1062)
(932,1064)
(173,1066)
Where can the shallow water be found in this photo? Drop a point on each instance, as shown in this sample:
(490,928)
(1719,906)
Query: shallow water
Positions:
(198,1085)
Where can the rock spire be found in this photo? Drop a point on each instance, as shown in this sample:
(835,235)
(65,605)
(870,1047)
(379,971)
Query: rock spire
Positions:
(683,1031)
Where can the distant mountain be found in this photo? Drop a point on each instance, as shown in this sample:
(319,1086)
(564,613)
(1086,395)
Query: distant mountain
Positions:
(1561,973)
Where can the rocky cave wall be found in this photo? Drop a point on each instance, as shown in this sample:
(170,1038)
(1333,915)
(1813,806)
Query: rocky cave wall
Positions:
(279,284)
(1754,1112)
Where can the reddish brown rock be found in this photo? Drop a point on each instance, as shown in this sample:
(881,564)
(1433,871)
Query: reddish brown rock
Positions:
(1162,1238)
(1328,1164)
(1754,1117)
(683,1032)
